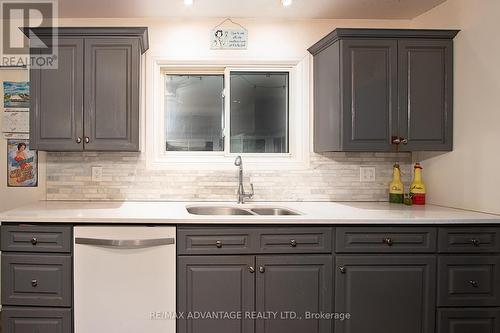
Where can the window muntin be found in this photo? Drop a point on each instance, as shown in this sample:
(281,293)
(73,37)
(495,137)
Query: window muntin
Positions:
(194,112)
(259,112)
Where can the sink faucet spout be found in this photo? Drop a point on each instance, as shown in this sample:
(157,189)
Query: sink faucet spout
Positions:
(241,190)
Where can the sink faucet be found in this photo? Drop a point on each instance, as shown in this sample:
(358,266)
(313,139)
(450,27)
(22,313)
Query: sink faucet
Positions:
(241,190)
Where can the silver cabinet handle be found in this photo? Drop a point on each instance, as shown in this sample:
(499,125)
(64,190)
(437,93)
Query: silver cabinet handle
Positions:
(87,139)
(125,243)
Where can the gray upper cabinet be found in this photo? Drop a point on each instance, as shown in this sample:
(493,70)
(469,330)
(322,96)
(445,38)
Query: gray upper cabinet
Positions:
(370,69)
(383,90)
(426,93)
(111,91)
(92,100)
(56,117)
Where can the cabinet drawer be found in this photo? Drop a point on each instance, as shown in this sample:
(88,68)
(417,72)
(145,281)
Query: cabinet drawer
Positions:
(216,241)
(385,240)
(469,281)
(295,240)
(29,238)
(40,280)
(469,240)
(39,320)
(468,320)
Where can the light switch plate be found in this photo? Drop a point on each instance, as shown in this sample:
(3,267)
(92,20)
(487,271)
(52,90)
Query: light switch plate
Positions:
(96,173)
(367,174)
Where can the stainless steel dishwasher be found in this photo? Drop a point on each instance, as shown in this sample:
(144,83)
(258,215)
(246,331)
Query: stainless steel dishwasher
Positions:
(124,279)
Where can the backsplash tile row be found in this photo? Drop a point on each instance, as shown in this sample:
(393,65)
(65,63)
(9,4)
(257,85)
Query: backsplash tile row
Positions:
(330,177)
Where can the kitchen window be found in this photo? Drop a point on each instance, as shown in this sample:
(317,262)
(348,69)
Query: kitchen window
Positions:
(204,115)
(253,120)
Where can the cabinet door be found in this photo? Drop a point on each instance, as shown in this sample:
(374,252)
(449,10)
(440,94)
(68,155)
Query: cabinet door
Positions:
(37,280)
(469,320)
(385,294)
(56,117)
(112,94)
(36,320)
(426,94)
(288,285)
(369,94)
(209,284)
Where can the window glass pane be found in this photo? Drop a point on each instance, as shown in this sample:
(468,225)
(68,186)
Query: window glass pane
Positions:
(194,112)
(259,112)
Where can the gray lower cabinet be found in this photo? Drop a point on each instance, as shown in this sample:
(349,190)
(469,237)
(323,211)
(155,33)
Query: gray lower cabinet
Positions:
(469,320)
(383,90)
(281,286)
(36,320)
(385,294)
(209,284)
(469,280)
(37,278)
(298,285)
(91,101)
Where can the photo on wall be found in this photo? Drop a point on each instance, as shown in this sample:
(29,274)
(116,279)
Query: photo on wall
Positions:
(22,167)
(16,95)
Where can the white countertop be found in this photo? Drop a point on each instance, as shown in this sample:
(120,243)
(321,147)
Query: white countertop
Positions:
(175,213)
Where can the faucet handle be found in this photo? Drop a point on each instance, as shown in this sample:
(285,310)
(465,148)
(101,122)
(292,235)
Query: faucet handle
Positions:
(252,192)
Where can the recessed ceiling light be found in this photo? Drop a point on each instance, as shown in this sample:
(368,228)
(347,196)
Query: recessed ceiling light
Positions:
(188,2)
(286,3)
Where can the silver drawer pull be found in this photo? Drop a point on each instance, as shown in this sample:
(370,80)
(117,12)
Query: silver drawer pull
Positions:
(388,241)
(125,243)
(475,242)
(474,283)
(34,283)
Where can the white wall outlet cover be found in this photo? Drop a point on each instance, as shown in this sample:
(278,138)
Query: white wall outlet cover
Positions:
(367,173)
(96,173)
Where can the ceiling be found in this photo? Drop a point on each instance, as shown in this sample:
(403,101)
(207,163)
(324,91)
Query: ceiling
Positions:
(315,9)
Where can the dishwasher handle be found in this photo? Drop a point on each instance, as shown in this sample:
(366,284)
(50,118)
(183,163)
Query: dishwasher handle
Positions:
(125,243)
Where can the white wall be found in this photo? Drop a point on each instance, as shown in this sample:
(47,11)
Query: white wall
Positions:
(188,38)
(469,177)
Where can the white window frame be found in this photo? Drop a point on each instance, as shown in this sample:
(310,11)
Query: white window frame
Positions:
(298,114)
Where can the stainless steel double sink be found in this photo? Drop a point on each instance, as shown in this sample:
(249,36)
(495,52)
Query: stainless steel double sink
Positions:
(231,210)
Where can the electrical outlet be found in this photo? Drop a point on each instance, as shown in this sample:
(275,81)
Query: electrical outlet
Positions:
(366,174)
(96,174)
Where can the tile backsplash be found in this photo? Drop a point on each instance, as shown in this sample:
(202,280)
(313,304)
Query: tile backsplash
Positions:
(125,176)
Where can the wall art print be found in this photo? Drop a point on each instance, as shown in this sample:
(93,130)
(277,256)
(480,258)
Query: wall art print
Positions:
(16,95)
(22,164)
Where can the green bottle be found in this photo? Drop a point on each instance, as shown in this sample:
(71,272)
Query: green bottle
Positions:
(396,188)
